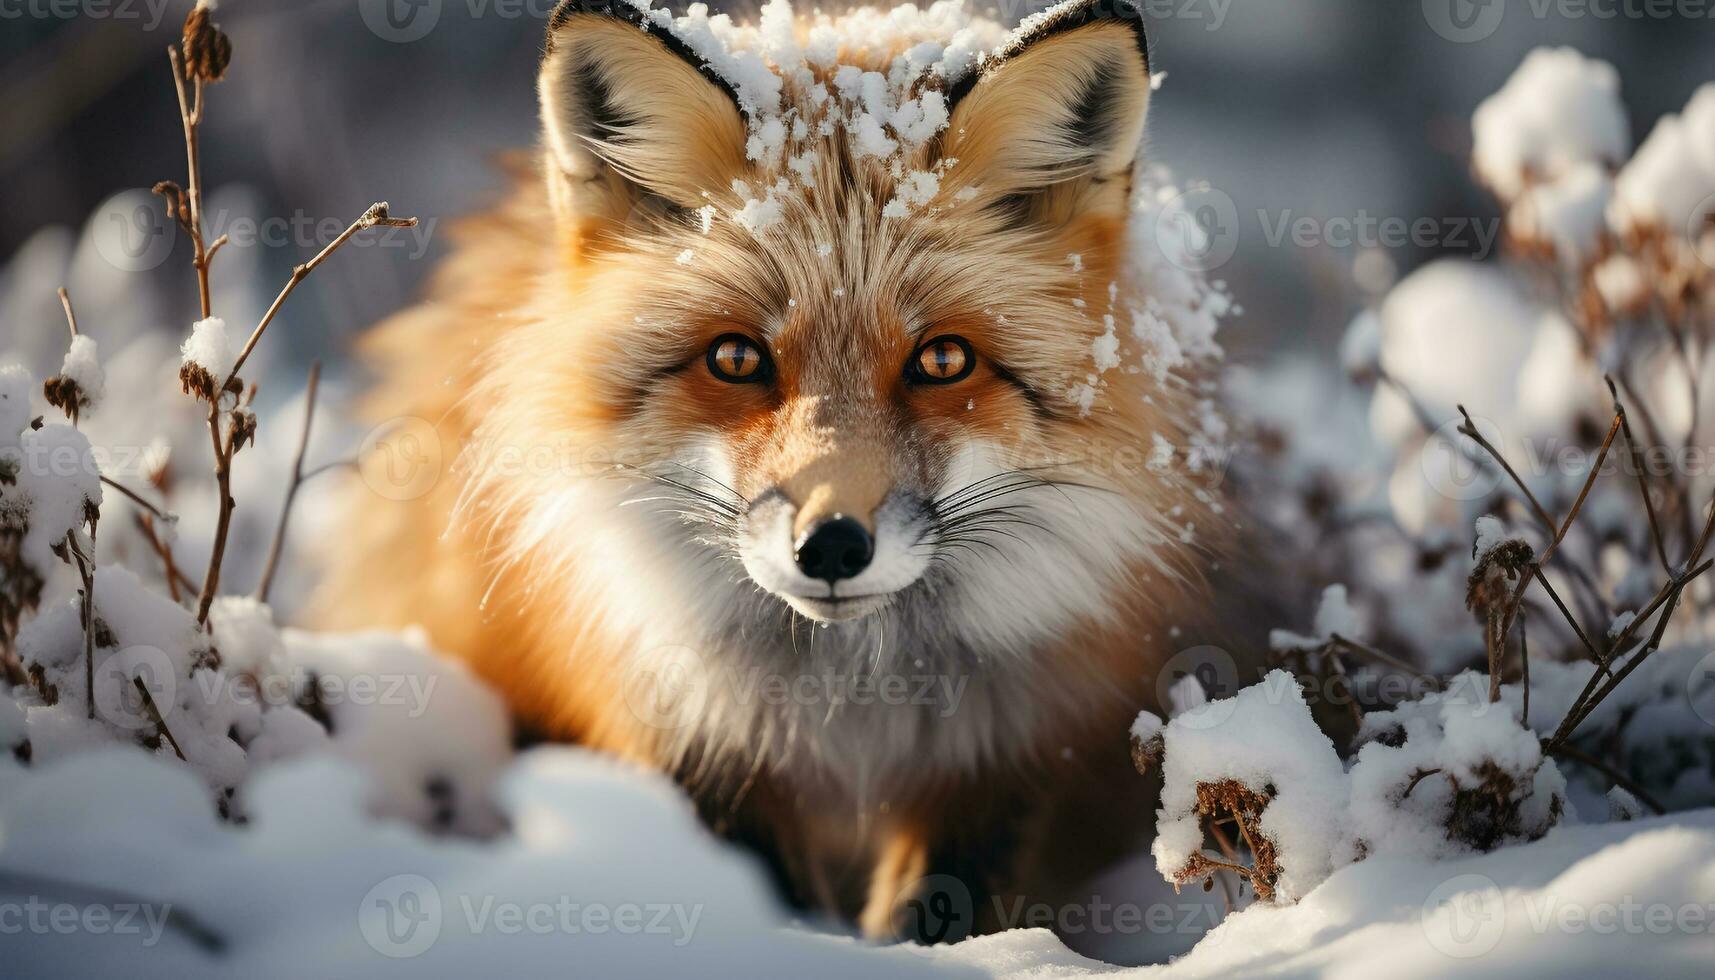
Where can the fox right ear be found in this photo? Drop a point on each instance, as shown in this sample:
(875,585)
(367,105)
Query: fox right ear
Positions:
(629,113)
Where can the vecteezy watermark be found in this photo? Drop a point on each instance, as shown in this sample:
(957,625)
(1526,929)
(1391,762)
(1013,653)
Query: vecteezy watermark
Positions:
(1366,230)
(1465,917)
(1454,465)
(404,916)
(401,458)
(149,13)
(37,916)
(670,687)
(1468,21)
(1200,230)
(1457,467)
(1100,917)
(133,232)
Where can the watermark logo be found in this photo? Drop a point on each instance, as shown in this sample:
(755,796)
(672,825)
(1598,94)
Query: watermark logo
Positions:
(1465,917)
(1454,464)
(935,909)
(132,685)
(132,231)
(1213,670)
(401,916)
(1198,230)
(401,458)
(400,21)
(1701,232)
(1465,21)
(1700,688)
(666,689)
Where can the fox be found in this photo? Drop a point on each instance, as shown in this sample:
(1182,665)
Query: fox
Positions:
(766,454)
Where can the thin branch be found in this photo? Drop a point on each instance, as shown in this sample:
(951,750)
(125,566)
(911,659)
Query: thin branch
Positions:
(71,318)
(1524,667)
(169,567)
(1619,778)
(1387,659)
(1643,484)
(86,572)
(155,716)
(375,216)
(1591,697)
(133,496)
(279,543)
(1595,655)
(1470,431)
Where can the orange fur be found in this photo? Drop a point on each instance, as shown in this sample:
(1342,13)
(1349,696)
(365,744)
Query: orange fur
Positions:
(560,352)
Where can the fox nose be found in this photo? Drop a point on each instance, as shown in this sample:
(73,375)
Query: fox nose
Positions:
(834,549)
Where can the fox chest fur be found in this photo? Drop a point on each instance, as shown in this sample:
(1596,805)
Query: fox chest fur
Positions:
(790,444)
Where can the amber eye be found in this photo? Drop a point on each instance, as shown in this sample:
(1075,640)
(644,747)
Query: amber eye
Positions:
(739,360)
(943,361)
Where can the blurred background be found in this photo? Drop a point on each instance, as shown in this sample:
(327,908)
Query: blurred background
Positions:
(1318,108)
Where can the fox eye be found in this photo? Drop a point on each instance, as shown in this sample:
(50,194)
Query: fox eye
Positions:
(943,361)
(736,359)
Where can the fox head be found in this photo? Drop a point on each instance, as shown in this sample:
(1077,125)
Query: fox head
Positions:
(833,334)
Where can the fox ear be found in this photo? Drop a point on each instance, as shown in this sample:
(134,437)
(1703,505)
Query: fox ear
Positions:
(630,113)
(1049,126)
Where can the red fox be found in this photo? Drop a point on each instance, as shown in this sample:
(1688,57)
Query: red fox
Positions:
(787,451)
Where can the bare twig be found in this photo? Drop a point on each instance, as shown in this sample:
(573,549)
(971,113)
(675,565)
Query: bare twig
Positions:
(86,572)
(155,716)
(1470,431)
(176,579)
(1524,666)
(1643,484)
(279,543)
(375,216)
(71,318)
(1619,778)
(1365,650)
(135,498)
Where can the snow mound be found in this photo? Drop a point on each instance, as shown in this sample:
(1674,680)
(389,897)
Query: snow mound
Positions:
(1559,110)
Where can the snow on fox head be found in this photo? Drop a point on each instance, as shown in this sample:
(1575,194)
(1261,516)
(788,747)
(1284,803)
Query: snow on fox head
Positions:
(851,318)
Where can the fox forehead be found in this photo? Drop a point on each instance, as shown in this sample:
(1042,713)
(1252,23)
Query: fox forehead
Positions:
(833,281)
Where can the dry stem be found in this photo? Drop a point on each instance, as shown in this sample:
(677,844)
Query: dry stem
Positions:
(279,543)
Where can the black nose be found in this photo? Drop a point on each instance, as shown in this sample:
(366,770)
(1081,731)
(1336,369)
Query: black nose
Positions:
(837,548)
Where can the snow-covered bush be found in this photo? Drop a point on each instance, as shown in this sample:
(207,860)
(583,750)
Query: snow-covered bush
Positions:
(1521,527)
(1531,495)
(105,642)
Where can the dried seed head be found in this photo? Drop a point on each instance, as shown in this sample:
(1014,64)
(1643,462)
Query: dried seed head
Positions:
(1489,586)
(206,47)
(1146,754)
(243,421)
(64,394)
(196,380)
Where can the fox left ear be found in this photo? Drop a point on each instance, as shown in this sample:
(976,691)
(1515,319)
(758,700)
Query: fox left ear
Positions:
(629,113)
(1049,127)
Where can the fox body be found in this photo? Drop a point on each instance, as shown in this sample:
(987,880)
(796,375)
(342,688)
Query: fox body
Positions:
(773,455)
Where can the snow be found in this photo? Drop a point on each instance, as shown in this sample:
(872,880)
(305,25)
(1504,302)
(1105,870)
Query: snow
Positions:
(210,347)
(1670,183)
(1608,899)
(1568,214)
(1559,110)
(1265,740)
(83,367)
(606,869)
